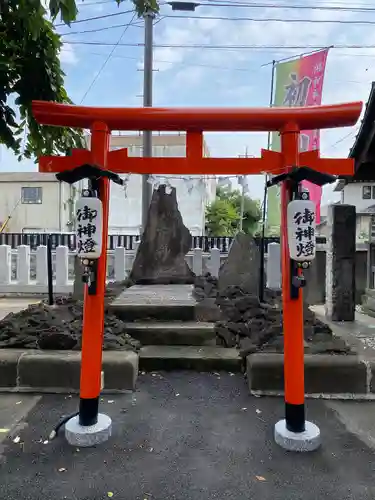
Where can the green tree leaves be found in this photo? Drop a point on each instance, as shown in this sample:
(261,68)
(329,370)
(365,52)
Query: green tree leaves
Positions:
(224,213)
(30,70)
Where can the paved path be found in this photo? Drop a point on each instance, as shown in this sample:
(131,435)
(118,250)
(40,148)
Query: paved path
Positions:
(8,305)
(186,436)
(360,333)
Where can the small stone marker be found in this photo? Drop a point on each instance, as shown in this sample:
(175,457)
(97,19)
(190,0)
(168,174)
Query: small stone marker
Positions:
(242,266)
(79,286)
(165,242)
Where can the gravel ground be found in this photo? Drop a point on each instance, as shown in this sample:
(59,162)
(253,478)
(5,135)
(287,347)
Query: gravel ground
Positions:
(185,436)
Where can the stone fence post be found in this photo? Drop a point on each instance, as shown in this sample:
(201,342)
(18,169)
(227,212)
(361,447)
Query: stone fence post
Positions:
(214,261)
(198,261)
(5,264)
(23,265)
(273,267)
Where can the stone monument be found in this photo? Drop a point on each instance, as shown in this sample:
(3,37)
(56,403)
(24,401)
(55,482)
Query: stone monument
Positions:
(165,242)
(340,263)
(78,285)
(242,267)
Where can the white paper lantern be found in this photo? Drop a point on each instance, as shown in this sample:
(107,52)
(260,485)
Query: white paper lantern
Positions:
(301,220)
(89,217)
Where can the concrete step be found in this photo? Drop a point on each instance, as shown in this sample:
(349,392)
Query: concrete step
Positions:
(202,359)
(172,333)
(159,302)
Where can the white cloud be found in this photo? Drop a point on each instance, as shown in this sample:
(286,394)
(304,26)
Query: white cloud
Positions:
(68,54)
(348,76)
(186,74)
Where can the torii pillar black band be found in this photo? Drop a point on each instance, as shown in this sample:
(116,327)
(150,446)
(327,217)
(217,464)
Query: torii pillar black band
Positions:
(88,411)
(295,417)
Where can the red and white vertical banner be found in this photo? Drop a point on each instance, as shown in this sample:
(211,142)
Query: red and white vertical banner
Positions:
(311,73)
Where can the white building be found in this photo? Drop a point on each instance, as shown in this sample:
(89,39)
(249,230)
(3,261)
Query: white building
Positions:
(359,189)
(34,202)
(362,196)
(37,202)
(193,192)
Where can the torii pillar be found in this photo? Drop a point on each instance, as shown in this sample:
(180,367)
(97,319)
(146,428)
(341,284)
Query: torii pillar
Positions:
(293,432)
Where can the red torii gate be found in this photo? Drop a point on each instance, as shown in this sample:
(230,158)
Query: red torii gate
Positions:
(194,121)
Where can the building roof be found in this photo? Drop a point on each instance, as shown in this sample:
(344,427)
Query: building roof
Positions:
(361,140)
(20,177)
(364,144)
(368,210)
(164,140)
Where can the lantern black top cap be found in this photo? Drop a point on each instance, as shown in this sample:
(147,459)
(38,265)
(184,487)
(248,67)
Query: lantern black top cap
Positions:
(184,6)
(303,174)
(87,171)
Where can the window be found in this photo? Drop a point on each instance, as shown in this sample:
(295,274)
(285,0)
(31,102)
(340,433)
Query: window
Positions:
(366,192)
(303,142)
(31,195)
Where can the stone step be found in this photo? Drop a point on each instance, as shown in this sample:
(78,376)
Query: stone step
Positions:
(159,302)
(202,359)
(159,313)
(172,333)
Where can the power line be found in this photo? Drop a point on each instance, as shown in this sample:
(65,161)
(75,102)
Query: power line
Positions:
(96,30)
(241,4)
(342,139)
(89,4)
(272,20)
(223,18)
(105,16)
(209,66)
(285,3)
(227,47)
(323,4)
(107,59)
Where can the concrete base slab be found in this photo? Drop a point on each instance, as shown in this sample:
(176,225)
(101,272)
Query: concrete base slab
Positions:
(204,358)
(172,332)
(83,437)
(161,302)
(25,370)
(309,440)
(324,374)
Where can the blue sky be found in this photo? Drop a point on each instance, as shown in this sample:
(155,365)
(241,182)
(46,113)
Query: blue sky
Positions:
(199,77)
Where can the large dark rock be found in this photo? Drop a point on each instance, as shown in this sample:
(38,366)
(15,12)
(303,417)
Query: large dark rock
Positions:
(241,268)
(254,326)
(59,327)
(165,242)
(56,340)
(205,287)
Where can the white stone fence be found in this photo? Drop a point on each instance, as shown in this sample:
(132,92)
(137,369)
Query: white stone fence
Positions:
(25,271)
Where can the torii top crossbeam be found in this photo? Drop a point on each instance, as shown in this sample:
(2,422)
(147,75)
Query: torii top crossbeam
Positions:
(198,119)
(194,121)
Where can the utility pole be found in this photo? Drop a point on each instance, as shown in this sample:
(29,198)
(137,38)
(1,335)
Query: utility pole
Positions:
(241,181)
(147,102)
